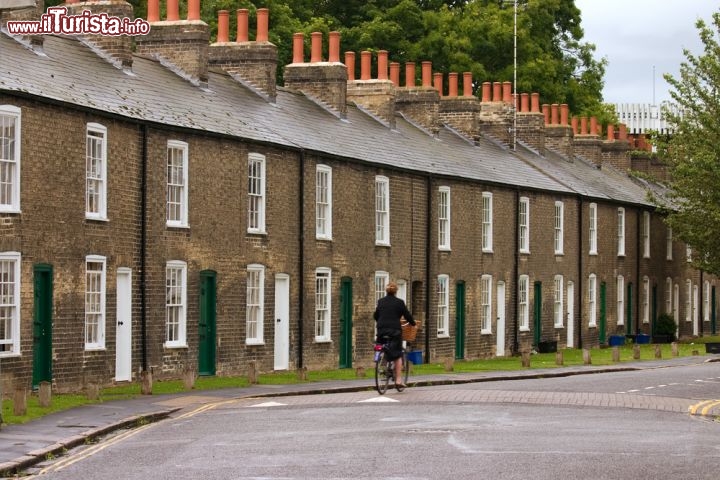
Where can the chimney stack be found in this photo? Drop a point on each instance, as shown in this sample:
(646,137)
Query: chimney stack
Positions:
(182,44)
(461,112)
(496,113)
(559,135)
(324,81)
(617,151)
(116,49)
(419,104)
(375,95)
(253,63)
(531,122)
(589,144)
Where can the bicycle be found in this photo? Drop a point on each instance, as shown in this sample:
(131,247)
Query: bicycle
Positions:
(385,368)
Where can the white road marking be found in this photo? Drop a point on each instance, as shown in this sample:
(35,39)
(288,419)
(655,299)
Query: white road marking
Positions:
(267,404)
(378,400)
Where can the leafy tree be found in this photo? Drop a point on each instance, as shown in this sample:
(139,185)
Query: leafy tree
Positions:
(693,202)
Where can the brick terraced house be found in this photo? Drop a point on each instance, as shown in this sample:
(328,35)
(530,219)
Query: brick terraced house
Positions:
(165,206)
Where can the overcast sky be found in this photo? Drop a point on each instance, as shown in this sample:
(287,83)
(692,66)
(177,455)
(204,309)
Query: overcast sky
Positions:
(635,35)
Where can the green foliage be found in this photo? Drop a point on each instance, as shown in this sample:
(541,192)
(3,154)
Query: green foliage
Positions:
(665,325)
(693,204)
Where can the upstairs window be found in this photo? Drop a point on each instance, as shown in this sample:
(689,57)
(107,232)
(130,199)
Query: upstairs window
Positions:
(593,229)
(524,224)
(9,158)
(487,222)
(621,232)
(323,203)
(256,193)
(559,227)
(669,244)
(177,184)
(444,218)
(96,171)
(382,210)
(646,234)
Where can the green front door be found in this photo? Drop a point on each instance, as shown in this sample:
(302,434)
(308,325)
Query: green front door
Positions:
(537,314)
(628,316)
(603,315)
(346,322)
(206,333)
(42,324)
(460,320)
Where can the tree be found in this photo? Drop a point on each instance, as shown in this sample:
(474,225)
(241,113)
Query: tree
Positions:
(693,201)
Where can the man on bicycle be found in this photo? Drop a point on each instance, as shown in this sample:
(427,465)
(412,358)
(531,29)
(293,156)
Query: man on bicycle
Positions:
(388,313)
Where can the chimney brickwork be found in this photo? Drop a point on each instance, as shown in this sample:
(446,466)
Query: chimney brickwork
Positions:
(558,134)
(375,95)
(419,104)
(325,81)
(616,151)
(460,112)
(184,44)
(531,122)
(118,48)
(496,114)
(588,143)
(254,62)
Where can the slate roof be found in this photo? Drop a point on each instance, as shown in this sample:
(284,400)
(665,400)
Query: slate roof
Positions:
(72,73)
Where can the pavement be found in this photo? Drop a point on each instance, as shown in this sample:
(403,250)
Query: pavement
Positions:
(23,446)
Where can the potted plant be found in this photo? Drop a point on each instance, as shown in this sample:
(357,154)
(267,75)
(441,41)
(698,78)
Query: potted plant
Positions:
(665,328)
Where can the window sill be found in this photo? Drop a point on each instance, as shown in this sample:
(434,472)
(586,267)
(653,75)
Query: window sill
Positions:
(592,325)
(175,345)
(177,225)
(382,244)
(525,252)
(485,332)
(256,232)
(323,239)
(593,254)
(443,335)
(524,329)
(559,326)
(10,355)
(9,210)
(89,348)
(322,340)
(254,342)
(97,219)
(487,250)
(621,255)
(444,249)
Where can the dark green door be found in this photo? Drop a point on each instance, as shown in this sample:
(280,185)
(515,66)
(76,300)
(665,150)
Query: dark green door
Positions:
(208,320)
(42,324)
(603,315)
(346,322)
(537,314)
(460,320)
(628,315)
(713,314)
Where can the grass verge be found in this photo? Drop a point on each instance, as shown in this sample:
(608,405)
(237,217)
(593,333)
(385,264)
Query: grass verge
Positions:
(571,357)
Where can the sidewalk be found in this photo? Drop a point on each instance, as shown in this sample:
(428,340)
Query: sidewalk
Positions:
(22,446)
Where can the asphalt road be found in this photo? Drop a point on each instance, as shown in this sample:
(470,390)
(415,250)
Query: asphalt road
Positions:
(603,426)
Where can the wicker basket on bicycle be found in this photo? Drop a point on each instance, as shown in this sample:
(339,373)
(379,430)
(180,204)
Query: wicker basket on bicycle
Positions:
(409,332)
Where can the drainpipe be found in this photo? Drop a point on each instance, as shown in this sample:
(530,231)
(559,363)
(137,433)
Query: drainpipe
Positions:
(143,239)
(428,246)
(579,293)
(301,257)
(516,278)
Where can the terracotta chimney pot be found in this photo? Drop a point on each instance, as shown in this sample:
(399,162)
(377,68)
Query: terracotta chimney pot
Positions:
(583,126)
(350,63)
(262,25)
(410,74)
(438,82)
(153,10)
(223,26)
(623,131)
(507,92)
(467,84)
(242,25)
(173,13)
(546,112)
(395,73)
(193,10)
(452,84)
(564,114)
(554,114)
(594,126)
(574,124)
(610,132)
(298,48)
(382,65)
(334,47)
(365,64)
(486,91)
(497,92)
(315,47)
(535,102)
(426,74)
(524,102)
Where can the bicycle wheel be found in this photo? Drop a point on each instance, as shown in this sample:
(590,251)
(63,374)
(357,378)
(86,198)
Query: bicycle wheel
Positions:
(405,372)
(381,374)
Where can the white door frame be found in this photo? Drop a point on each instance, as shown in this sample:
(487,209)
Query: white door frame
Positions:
(500,327)
(123,326)
(570,314)
(282,321)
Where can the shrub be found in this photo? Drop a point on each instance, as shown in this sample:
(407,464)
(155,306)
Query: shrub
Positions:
(665,325)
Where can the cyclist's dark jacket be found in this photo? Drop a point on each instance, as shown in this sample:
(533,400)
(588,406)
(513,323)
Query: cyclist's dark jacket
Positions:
(387,316)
